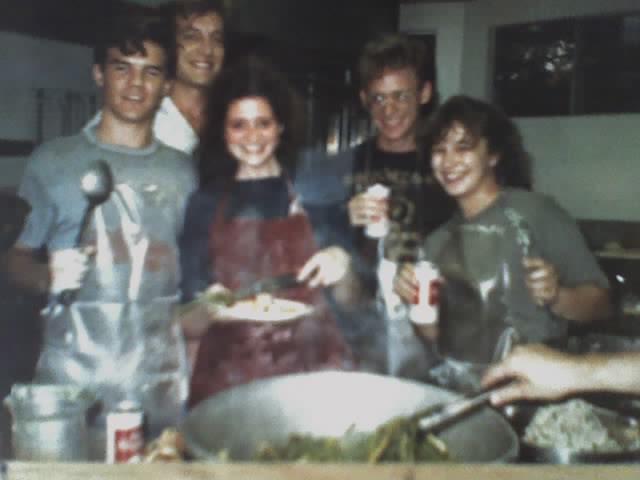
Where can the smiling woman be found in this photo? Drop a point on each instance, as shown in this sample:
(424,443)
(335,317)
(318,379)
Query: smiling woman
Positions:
(246,223)
(515,266)
(252,134)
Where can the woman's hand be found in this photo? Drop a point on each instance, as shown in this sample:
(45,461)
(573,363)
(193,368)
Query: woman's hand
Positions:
(365,208)
(325,268)
(405,283)
(542,281)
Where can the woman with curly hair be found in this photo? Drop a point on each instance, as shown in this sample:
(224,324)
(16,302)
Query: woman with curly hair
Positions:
(246,222)
(515,267)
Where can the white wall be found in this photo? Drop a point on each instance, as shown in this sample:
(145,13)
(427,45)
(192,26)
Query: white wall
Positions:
(589,163)
(446,21)
(27,64)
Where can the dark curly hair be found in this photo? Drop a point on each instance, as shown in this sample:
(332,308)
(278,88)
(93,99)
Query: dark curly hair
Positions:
(250,76)
(484,120)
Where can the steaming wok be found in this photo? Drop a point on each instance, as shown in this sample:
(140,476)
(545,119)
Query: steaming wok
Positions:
(328,404)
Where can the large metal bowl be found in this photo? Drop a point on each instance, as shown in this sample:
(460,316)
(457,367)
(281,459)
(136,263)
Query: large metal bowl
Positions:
(328,404)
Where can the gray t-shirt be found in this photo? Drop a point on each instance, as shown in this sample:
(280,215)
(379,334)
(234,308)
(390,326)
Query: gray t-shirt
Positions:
(51,184)
(488,250)
(120,336)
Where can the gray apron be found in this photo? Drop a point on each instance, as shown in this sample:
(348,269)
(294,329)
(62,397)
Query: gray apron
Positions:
(407,355)
(121,337)
(483,287)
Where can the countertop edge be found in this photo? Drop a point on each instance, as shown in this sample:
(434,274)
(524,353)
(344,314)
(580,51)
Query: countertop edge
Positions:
(250,471)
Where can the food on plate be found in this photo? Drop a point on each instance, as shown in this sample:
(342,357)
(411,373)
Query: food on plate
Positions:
(262,307)
(578,426)
(265,308)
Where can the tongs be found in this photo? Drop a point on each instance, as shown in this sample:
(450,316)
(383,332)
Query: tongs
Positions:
(447,413)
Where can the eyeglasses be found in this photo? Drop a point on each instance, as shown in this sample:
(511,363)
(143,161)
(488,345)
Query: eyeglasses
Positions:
(399,97)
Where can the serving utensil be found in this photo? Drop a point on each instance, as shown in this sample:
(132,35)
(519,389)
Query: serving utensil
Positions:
(96,185)
(447,413)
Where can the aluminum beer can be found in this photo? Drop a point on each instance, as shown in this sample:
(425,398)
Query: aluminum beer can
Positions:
(426,304)
(125,433)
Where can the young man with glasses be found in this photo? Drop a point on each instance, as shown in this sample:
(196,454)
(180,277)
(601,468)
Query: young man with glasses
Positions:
(396,78)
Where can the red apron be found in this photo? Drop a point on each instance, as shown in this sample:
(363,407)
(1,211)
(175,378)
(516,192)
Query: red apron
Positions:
(231,353)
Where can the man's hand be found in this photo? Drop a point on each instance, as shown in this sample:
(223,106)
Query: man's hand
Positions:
(68,268)
(366,208)
(537,371)
(325,268)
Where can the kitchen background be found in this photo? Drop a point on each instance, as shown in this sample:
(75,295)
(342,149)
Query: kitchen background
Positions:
(589,163)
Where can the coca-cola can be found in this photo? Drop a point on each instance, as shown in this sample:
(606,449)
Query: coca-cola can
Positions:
(425,306)
(125,433)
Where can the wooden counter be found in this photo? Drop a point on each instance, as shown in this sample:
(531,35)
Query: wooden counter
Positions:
(201,471)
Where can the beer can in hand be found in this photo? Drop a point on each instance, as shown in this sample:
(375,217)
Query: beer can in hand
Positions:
(425,306)
(125,433)
(380,226)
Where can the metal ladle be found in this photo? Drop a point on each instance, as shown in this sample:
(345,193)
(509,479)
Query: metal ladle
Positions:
(96,185)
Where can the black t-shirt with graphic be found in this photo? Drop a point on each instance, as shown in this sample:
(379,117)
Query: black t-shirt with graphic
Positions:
(418,204)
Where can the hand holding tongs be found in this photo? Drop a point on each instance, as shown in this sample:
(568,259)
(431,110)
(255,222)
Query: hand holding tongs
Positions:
(448,412)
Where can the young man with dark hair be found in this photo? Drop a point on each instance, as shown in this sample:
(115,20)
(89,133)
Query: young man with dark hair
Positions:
(120,337)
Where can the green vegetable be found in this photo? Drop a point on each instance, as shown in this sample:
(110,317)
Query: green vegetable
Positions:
(210,300)
(398,440)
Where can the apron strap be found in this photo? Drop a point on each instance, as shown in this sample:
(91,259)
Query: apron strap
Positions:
(295,204)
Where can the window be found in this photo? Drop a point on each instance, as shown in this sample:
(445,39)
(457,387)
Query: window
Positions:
(569,66)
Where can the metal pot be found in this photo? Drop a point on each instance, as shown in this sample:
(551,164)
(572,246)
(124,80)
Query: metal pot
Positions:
(49,422)
(329,403)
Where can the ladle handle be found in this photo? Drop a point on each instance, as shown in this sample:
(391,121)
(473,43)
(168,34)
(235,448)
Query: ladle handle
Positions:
(67,297)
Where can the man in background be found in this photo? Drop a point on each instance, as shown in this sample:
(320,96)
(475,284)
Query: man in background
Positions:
(120,337)
(200,45)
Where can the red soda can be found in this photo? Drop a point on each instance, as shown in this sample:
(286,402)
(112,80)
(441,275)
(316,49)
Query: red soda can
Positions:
(426,304)
(125,433)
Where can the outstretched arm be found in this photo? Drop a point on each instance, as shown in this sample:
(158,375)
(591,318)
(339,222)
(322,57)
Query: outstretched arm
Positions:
(539,372)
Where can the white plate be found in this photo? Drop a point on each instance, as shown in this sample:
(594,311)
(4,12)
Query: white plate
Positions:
(278,310)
